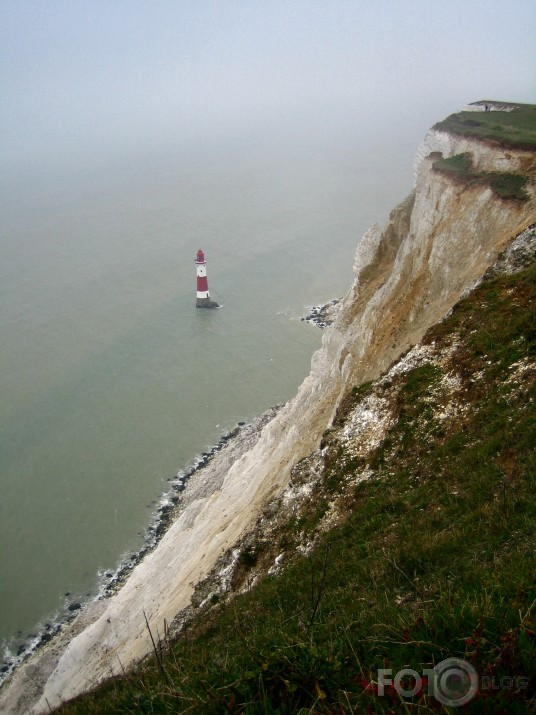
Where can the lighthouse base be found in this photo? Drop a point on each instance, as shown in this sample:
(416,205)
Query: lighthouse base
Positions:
(205,303)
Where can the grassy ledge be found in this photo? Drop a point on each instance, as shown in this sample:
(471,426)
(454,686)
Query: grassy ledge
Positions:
(515,129)
(418,550)
(505,185)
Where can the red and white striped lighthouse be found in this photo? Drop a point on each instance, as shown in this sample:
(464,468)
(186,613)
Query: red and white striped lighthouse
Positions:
(203,296)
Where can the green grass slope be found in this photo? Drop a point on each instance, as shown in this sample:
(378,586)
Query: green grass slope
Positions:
(431,556)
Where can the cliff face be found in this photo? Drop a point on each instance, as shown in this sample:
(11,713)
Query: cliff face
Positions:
(486,157)
(436,246)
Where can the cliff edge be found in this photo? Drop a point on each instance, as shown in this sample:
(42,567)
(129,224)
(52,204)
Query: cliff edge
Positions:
(435,248)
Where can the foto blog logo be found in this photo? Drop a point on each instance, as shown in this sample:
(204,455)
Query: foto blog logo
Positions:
(452,682)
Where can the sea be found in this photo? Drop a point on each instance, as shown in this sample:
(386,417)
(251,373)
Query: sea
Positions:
(112,382)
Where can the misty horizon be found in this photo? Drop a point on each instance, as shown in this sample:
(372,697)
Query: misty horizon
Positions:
(82,83)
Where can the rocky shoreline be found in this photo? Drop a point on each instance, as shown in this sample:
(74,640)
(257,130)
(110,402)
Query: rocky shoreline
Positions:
(322,315)
(186,486)
(171,503)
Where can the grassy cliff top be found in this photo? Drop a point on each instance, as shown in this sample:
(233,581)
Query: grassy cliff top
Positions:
(514,129)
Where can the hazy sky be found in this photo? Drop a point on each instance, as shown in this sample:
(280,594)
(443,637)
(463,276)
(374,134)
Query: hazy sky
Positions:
(85,76)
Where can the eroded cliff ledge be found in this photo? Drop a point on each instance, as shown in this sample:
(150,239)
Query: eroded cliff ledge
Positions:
(436,246)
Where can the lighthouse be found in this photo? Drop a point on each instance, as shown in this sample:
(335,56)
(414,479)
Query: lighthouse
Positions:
(203,296)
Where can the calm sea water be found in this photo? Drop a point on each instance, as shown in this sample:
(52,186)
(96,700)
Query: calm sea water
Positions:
(111,380)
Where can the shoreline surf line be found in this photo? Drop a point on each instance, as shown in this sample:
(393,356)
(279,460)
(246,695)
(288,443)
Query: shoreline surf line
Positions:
(184,487)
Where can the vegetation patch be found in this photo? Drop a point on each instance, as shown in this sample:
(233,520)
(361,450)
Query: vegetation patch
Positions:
(460,164)
(506,185)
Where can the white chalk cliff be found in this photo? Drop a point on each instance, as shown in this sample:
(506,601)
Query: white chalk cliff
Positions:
(436,246)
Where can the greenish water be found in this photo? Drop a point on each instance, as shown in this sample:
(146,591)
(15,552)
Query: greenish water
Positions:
(111,380)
